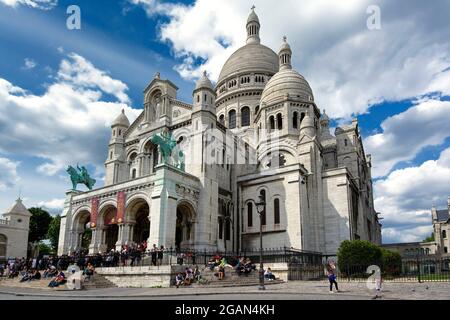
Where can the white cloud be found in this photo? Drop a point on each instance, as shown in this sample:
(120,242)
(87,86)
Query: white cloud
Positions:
(29,64)
(53,204)
(81,73)
(37,4)
(406,134)
(8,173)
(69,123)
(405,197)
(348,66)
(393,235)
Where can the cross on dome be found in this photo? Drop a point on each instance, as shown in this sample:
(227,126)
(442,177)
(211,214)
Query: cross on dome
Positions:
(253,7)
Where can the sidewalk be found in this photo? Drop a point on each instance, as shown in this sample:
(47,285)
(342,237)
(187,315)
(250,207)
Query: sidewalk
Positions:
(409,291)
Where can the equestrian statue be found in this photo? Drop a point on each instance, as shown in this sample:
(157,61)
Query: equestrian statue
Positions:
(80,177)
(167,145)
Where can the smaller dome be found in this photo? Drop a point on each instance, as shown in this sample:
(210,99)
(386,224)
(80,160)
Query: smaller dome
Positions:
(324,117)
(204,82)
(253,17)
(287,82)
(121,120)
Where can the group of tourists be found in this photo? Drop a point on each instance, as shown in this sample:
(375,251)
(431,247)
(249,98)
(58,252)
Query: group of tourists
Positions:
(188,277)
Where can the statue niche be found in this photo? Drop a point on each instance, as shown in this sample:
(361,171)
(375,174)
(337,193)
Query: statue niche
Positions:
(153,107)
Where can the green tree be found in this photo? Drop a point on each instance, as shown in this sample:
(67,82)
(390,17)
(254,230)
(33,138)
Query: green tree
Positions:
(86,239)
(430,238)
(53,232)
(39,223)
(358,253)
(391,262)
(44,249)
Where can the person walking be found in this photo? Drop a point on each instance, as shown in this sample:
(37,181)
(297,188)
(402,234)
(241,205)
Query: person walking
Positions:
(331,271)
(160,255)
(154,254)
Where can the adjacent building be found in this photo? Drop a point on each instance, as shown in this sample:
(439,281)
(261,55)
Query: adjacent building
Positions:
(14,228)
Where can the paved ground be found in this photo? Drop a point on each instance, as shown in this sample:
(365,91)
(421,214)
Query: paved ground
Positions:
(294,290)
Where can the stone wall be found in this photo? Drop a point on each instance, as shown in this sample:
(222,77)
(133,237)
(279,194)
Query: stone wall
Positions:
(141,277)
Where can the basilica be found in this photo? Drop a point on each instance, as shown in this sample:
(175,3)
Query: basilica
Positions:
(255,137)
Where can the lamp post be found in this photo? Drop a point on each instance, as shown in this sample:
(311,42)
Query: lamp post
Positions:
(261,207)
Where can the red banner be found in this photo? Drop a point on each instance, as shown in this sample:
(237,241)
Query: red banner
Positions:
(94,212)
(121,207)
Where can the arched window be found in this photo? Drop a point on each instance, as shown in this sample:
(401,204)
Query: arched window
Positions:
(227,229)
(250,214)
(111,155)
(272,123)
(120,133)
(263,214)
(302,116)
(198,98)
(232,119)
(3,245)
(245,116)
(346,142)
(444,234)
(295,120)
(445,250)
(276,211)
(220,228)
(279,121)
(133,174)
(222,119)
(155,158)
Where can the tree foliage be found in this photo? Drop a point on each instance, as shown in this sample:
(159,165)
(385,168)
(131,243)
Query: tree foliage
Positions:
(39,224)
(53,232)
(357,255)
(430,238)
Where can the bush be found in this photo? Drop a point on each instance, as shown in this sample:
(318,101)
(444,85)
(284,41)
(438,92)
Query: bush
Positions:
(391,262)
(355,256)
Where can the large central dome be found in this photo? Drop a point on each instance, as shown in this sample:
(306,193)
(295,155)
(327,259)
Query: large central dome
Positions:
(253,57)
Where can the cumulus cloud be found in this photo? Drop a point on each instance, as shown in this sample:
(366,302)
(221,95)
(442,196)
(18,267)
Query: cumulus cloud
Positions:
(67,124)
(29,64)
(8,173)
(54,204)
(349,67)
(406,134)
(37,4)
(405,197)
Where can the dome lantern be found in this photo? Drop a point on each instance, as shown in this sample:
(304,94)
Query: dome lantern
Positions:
(285,55)
(253,26)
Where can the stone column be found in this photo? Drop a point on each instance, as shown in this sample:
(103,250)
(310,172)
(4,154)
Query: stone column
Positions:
(164,208)
(66,223)
(120,238)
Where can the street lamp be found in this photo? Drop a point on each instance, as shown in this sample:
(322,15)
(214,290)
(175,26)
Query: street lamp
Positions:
(261,207)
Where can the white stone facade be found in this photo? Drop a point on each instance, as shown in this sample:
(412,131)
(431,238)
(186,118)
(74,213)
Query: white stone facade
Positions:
(14,228)
(258,131)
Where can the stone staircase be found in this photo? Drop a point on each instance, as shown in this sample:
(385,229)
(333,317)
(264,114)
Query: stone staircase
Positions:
(97,281)
(231,279)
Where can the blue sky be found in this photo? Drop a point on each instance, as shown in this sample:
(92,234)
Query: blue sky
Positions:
(60,88)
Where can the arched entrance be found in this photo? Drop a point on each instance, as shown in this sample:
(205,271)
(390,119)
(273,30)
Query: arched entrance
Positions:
(141,230)
(82,230)
(184,231)
(3,245)
(111,228)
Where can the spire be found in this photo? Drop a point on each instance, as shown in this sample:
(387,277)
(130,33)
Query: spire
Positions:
(285,55)
(253,27)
